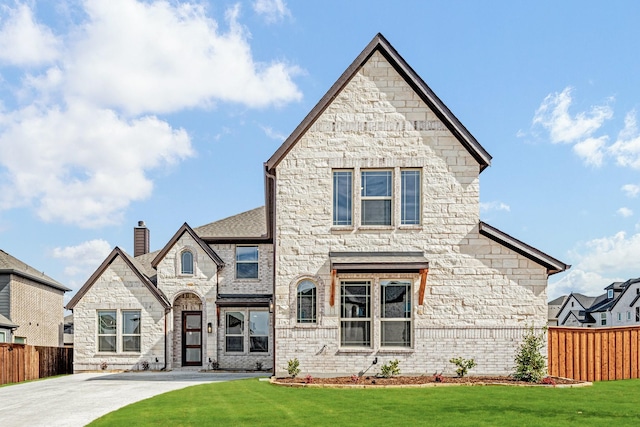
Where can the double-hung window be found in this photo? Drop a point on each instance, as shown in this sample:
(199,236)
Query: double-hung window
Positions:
(235,332)
(107,330)
(355,314)
(258,331)
(246,262)
(395,313)
(306,296)
(603,319)
(131,330)
(376,197)
(342,197)
(410,197)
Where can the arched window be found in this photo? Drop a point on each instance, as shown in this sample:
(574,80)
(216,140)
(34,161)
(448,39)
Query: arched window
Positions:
(306,302)
(186,261)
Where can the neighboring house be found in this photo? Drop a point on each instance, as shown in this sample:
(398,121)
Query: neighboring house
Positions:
(618,306)
(369,248)
(553,308)
(31,304)
(68,331)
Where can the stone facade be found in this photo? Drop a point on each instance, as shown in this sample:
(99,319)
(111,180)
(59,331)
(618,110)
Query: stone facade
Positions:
(480,295)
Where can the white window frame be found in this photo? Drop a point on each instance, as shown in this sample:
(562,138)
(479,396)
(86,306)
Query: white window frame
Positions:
(124,335)
(345,317)
(388,196)
(628,315)
(191,264)
(609,293)
(407,319)
(3,336)
(619,316)
(403,198)
(337,219)
(313,316)
(114,335)
(246,262)
(241,334)
(603,319)
(252,334)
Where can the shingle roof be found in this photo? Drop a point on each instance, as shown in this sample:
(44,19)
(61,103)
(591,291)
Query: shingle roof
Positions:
(6,323)
(558,301)
(12,265)
(247,224)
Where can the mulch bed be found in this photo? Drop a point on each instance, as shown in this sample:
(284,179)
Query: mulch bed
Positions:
(419,380)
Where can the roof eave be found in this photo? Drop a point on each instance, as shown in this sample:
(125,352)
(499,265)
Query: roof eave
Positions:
(41,280)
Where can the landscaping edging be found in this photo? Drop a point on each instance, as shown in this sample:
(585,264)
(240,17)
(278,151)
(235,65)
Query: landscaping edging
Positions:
(276,381)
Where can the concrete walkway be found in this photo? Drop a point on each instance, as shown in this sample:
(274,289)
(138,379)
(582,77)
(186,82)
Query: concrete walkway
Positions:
(76,400)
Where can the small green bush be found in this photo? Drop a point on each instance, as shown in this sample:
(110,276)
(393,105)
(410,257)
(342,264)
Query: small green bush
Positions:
(294,367)
(530,363)
(463,365)
(390,369)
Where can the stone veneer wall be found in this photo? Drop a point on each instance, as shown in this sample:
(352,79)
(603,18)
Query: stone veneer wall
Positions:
(38,310)
(118,288)
(479,296)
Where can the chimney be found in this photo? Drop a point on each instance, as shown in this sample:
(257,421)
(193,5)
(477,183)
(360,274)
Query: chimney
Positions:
(140,239)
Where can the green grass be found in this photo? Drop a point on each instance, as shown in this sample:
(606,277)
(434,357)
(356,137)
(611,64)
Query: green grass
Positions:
(251,402)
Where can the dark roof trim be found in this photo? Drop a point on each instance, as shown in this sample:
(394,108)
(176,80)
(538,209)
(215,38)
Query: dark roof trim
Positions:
(566,301)
(634,300)
(365,262)
(244,300)
(41,280)
(379,43)
(552,264)
(240,240)
(186,229)
(117,252)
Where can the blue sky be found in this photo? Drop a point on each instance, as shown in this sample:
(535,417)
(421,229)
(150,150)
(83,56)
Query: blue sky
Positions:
(117,111)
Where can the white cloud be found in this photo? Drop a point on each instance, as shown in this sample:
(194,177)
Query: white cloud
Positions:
(81,260)
(25,42)
(599,263)
(631,190)
(81,144)
(272,10)
(591,150)
(626,149)
(273,134)
(82,165)
(494,206)
(553,115)
(127,50)
(625,212)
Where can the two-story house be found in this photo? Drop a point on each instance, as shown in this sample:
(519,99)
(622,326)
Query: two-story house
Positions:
(369,248)
(31,304)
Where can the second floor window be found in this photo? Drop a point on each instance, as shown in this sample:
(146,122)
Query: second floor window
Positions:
(246,262)
(376,197)
(186,262)
(342,197)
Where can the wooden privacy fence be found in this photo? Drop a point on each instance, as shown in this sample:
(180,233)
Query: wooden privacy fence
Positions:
(597,354)
(20,362)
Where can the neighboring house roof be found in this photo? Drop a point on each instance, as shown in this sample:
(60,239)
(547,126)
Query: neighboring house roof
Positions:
(553,307)
(249,224)
(12,265)
(380,44)
(6,323)
(134,265)
(601,303)
(623,287)
(558,301)
(186,229)
(552,264)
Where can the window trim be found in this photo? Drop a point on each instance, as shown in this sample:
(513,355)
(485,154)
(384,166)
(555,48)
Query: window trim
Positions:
(364,198)
(418,220)
(609,293)
(227,334)
(369,319)
(3,336)
(115,334)
(603,319)
(251,335)
(408,311)
(335,219)
(182,263)
(256,262)
(123,335)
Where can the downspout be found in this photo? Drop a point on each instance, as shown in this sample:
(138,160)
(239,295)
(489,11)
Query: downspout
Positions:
(270,200)
(166,312)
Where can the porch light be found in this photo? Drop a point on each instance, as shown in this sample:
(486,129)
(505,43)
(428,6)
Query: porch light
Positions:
(271,306)
(209,327)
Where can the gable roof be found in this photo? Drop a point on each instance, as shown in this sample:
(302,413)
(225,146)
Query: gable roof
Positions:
(7,323)
(380,44)
(624,286)
(133,265)
(558,301)
(186,229)
(12,265)
(552,264)
(251,224)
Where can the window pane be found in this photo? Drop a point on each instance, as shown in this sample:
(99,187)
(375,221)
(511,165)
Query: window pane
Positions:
(235,323)
(396,334)
(107,322)
(107,343)
(131,343)
(376,184)
(355,301)
(355,333)
(246,253)
(306,302)
(3,336)
(192,338)
(131,322)
(194,321)
(235,344)
(342,197)
(410,197)
(247,270)
(376,212)
(395,300)
(259,344)
(187,262)
(258,323)
(193,355)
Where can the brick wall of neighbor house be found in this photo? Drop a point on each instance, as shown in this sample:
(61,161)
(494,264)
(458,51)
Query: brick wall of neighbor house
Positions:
(118,288)
(38,310)
(623,305)
(203,284)
(479,295)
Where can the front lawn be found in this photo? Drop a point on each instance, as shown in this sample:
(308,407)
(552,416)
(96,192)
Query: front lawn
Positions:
(252,402)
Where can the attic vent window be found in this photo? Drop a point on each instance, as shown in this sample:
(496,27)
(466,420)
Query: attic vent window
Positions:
(610,293)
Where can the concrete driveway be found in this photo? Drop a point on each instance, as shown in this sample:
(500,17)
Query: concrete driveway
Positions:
(75,400)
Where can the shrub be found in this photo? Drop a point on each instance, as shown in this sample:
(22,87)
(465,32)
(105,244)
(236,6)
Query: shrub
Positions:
(103,365)
(355,379)
(548,381)
(463,365)
(390,369)
(145,365)
(258,366)
(308,379)
(215,365)
(530,363)
(294,367)
(438,378)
